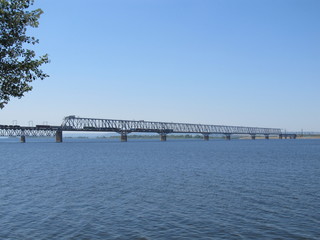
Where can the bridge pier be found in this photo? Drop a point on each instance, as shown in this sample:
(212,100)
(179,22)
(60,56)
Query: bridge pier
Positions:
(163,137)
(59,136)
(124,137)
(266,136)
(253,136)
(294,136)
(228,136)
(206,137)
(22,139)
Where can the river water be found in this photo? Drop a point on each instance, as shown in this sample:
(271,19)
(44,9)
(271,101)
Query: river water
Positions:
(147,189)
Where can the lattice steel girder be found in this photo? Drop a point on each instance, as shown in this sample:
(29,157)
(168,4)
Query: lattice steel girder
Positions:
(28,132)
(73,123)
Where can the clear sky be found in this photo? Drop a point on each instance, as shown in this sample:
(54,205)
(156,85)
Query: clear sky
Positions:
(230,62)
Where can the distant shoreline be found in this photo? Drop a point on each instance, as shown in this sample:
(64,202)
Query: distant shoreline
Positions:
(194,137)
(188,137)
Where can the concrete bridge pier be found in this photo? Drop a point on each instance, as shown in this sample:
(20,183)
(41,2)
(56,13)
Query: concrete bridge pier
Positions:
(59,136)
(206,137)
(124,137)
(22,139)
(253,136)
(266,136)
(163,137)
(228,136)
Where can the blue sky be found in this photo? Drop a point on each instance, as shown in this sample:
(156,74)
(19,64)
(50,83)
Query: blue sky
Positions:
(231,62)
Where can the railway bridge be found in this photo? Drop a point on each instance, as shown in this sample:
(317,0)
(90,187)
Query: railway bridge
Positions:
(125,127)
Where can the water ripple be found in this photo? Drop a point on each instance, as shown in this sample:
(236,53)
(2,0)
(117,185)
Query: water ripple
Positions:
(151,190)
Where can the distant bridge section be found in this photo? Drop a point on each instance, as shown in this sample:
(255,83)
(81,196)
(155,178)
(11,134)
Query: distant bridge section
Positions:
(21,131)
(124,127)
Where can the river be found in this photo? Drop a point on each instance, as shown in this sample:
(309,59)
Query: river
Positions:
(147,189)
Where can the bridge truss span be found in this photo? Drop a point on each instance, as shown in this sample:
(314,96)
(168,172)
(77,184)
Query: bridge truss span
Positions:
(124,127)
(72,123)
(27,131)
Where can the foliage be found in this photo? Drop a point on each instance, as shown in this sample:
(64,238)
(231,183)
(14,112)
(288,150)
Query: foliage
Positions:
(18,65)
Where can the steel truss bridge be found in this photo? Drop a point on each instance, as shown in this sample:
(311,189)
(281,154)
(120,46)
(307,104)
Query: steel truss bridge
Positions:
(124,127)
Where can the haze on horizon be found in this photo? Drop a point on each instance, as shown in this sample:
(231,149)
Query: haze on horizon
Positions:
(244,63)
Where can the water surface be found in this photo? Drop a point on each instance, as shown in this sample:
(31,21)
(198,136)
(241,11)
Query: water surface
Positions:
(147,189)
